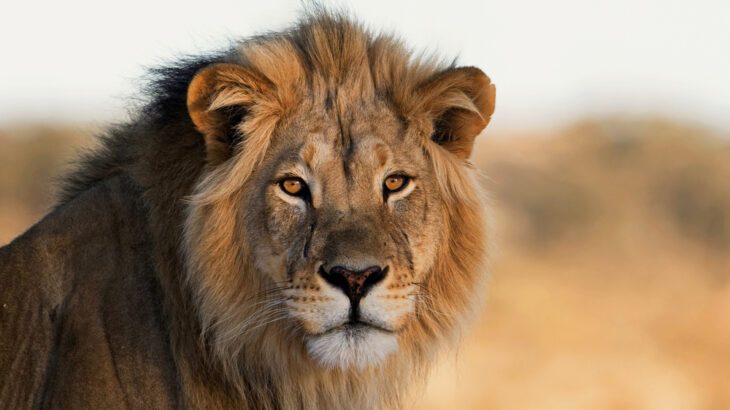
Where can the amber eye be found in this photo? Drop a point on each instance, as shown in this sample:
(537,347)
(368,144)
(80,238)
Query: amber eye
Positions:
(293,186)
(395,183)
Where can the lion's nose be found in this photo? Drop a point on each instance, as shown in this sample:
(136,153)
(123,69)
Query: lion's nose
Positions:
(355,284)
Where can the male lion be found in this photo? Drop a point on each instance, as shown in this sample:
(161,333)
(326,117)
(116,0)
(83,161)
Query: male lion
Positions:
(290,224)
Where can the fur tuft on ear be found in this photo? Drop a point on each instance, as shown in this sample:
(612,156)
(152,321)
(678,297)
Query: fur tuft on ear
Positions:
(219,97)
(461,102)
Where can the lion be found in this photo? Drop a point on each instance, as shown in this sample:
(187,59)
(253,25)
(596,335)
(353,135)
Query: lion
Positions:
(292,223)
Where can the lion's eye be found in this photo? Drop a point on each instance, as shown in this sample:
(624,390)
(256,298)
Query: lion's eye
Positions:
(293,186)
(395,183)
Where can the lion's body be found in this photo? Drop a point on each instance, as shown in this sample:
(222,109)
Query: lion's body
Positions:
(82,323)
(143,288)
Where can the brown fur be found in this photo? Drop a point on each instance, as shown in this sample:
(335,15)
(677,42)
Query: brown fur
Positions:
(209,256)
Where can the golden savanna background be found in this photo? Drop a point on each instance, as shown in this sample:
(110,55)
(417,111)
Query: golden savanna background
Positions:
(611,277)
(607,162)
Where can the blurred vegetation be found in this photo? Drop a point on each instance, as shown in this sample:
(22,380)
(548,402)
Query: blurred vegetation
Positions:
(615,172)
(31,157)
(611,281)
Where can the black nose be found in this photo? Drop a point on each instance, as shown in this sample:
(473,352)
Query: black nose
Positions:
(355,284)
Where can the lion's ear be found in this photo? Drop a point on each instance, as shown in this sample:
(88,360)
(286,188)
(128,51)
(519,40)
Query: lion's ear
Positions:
(219,98)
(461,102)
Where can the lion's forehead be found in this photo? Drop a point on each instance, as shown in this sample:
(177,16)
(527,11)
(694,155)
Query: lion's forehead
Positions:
(366,151)
(364,145)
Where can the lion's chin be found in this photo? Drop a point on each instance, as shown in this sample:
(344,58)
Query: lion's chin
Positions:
(349,346)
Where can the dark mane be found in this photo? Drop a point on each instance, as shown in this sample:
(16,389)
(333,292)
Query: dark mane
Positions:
(167,87)
(163,110)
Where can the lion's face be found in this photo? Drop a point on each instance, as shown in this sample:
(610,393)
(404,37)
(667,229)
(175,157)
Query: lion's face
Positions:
(345,228)
(337,219)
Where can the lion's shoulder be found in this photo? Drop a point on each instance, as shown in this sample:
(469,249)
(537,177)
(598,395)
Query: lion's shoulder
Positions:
(80,306)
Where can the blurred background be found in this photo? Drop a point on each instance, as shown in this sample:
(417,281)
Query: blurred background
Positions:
(608,163)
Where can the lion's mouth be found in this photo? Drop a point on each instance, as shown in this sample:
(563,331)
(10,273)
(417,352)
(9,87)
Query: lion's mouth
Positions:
(354,328)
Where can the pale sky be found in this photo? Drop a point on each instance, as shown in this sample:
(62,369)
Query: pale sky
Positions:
(552,61)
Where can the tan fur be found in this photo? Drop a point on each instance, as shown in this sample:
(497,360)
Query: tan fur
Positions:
(248,319)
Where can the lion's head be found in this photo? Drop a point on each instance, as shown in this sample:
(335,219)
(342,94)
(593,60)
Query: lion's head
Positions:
(337,227)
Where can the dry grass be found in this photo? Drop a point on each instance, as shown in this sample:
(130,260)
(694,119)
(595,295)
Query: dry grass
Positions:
(611,288)
(31,156)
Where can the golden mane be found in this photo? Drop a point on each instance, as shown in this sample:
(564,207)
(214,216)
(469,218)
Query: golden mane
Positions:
(324,55)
